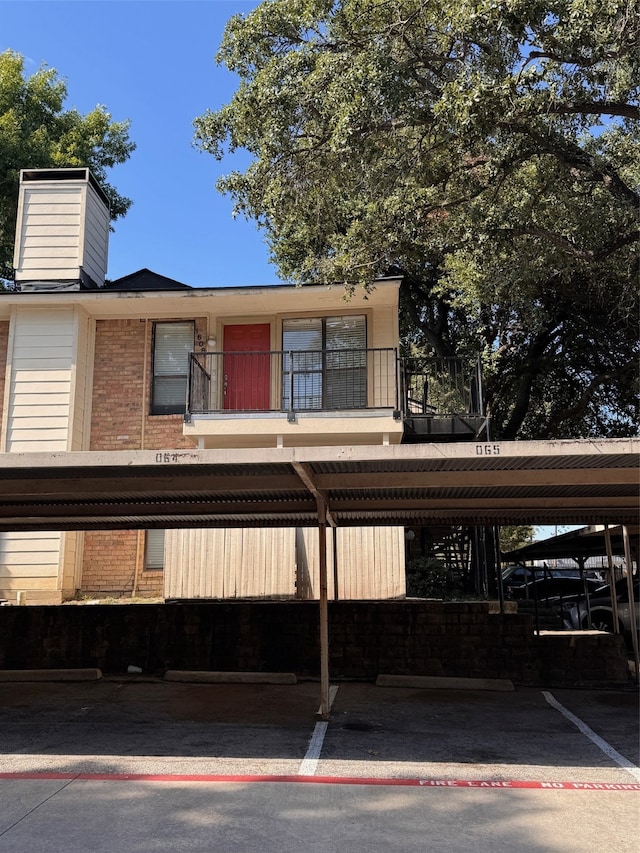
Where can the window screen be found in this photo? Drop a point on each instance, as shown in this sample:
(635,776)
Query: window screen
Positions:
(154,552)
(172,344)
(346,363)
(302,363)
(325,363)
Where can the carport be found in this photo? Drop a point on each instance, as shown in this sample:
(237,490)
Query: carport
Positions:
(592,541)
(538,482)
(579,545)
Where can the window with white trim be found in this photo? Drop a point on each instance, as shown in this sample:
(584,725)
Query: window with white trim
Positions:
(172,343)
(325,363)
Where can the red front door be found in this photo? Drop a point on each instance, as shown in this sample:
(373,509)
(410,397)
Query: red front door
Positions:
(247,367)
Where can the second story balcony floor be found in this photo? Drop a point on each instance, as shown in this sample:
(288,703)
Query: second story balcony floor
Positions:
(330,397)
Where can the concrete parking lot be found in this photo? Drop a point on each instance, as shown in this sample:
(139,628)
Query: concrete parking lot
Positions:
(146,765)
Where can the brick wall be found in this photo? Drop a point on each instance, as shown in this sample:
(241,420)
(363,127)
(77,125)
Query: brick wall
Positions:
(365,639)
(4,341)
(120,420)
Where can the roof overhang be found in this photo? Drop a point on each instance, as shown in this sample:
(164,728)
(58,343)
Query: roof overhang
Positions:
(538,482)
(104,303)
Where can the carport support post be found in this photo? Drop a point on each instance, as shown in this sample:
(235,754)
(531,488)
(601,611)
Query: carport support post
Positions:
(612,579)
(632,609)
(324,609)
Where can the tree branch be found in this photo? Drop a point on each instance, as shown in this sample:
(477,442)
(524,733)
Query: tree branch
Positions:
(568,246)
(571,154)
(608,108)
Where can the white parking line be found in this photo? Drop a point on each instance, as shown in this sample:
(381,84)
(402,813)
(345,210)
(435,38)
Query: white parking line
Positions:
(602,744)
(309,763)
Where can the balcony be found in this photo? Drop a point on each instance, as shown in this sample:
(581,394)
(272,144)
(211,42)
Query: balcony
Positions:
(357,396)
(442,399)
(297,397)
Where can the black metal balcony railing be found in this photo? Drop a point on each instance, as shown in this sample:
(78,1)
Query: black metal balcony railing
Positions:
(292,381)
(333,380)
(441,387)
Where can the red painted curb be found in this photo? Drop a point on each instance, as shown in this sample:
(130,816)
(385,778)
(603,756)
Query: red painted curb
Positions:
(329,780)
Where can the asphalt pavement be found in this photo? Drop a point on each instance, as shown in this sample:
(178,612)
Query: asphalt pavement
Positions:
(145,765)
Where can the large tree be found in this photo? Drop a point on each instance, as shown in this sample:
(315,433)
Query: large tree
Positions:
(36,132)
(487,151)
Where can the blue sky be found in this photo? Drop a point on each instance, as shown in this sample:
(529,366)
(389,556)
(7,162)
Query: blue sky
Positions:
(152,61)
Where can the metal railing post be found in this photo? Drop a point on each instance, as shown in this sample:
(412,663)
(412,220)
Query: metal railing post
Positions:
(291,416)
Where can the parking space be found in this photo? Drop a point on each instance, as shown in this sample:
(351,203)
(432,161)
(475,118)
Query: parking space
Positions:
(120,726)
(149,765)
(460,734)
(157,727)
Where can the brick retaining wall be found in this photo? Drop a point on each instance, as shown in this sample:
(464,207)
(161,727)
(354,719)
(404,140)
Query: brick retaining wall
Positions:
(366,639)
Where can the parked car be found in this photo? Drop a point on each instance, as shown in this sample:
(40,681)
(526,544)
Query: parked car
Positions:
(598,612)
(542,583)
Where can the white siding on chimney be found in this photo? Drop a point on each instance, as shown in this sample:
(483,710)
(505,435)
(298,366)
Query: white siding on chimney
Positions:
(95,245)
(48,239)
(62,228)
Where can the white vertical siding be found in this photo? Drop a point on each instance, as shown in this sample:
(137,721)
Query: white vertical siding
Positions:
(262,563)
(383,327)
(232,563)
(71,544)
(369,562)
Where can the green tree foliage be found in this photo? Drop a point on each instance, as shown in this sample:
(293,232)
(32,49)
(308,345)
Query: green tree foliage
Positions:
(427,577)
(488,151)
(513,536)
(36,132)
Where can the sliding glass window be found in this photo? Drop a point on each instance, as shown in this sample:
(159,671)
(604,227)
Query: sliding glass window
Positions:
(324,363)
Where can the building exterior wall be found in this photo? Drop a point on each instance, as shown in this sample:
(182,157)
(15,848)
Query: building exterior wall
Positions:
(80,411)
(113,561)
(31,563)
(89,357)
(42,357)
(109,562)
(120,418)
(4,343)
(275,428)
(366,563)
(41,377)
(230,563)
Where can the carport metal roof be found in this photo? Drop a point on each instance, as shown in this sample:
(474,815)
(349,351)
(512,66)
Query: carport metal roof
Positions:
(587,542)
(535,482)
(481,484)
